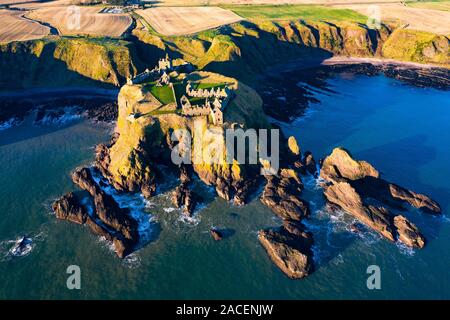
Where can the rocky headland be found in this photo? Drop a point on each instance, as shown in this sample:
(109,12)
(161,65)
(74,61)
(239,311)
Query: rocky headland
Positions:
(143,142)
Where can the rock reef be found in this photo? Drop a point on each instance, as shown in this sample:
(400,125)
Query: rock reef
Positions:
(289,247)
(107,218)
(356,187)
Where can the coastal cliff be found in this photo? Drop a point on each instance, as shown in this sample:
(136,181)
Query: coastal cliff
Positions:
(242,50)
(59,62)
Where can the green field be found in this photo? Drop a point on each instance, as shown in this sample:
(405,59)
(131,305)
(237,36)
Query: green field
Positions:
(307,12)
(209,85)
(163,94)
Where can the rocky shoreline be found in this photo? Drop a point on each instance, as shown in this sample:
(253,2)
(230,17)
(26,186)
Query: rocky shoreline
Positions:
(13,110)
(287,100)
(130,161)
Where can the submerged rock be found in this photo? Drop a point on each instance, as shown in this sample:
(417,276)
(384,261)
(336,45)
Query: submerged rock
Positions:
(216,234)
(291,252)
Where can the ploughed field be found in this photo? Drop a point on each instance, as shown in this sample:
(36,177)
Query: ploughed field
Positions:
(89,21)
(174,21)
(14,27)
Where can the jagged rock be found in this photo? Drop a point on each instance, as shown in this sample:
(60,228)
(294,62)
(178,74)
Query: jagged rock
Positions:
(189,203)
(243,189)
(298,229)
(408,233)
(345,196)
(379,219)
(223,189)
(178,196)
(340,165)
(289,251)
(216,234)
(68,207)
(351,183)
(108,212)
(394,195)
(282,195)
(293,146)
(98,230)
(182,195)
(309,163)
(417,200)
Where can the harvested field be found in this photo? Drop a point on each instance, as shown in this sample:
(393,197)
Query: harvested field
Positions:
(250,2)
(89,21)
(14,27)
(436,5)
(176,21)
(33,4)
(434,21)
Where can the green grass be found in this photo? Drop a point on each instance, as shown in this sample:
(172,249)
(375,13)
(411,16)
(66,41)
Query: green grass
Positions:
(306,12)
(163,94)
(205,85)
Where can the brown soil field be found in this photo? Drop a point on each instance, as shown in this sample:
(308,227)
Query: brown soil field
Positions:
(186,20)
(435,21)
(14,27)
(33,4)
(91,22)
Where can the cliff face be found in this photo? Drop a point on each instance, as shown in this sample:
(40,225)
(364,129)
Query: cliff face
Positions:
(144,130)
(240,50)
(67,62)
(248,47)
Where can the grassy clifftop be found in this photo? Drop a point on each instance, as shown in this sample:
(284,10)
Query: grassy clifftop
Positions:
(67,62)
(241,50)
(248,47)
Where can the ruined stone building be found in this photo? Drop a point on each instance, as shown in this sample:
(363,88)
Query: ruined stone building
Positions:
(163,80)
(205,93)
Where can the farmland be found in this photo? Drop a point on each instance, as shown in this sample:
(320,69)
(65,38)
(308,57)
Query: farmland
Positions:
(434,21)
(14,27)
(89,22)
(175,21)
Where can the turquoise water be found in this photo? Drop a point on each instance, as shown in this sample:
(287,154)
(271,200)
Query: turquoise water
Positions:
(402,130)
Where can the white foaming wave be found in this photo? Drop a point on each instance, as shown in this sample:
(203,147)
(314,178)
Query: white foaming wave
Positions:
(195,218)
(21,246)
(10,123)
(136,204)
(445,218)
(169,209)
(69,114)
(404,249)
(339,259)
(132,261)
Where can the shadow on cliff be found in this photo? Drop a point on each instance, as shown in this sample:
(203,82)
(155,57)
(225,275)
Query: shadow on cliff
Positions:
(256,54)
